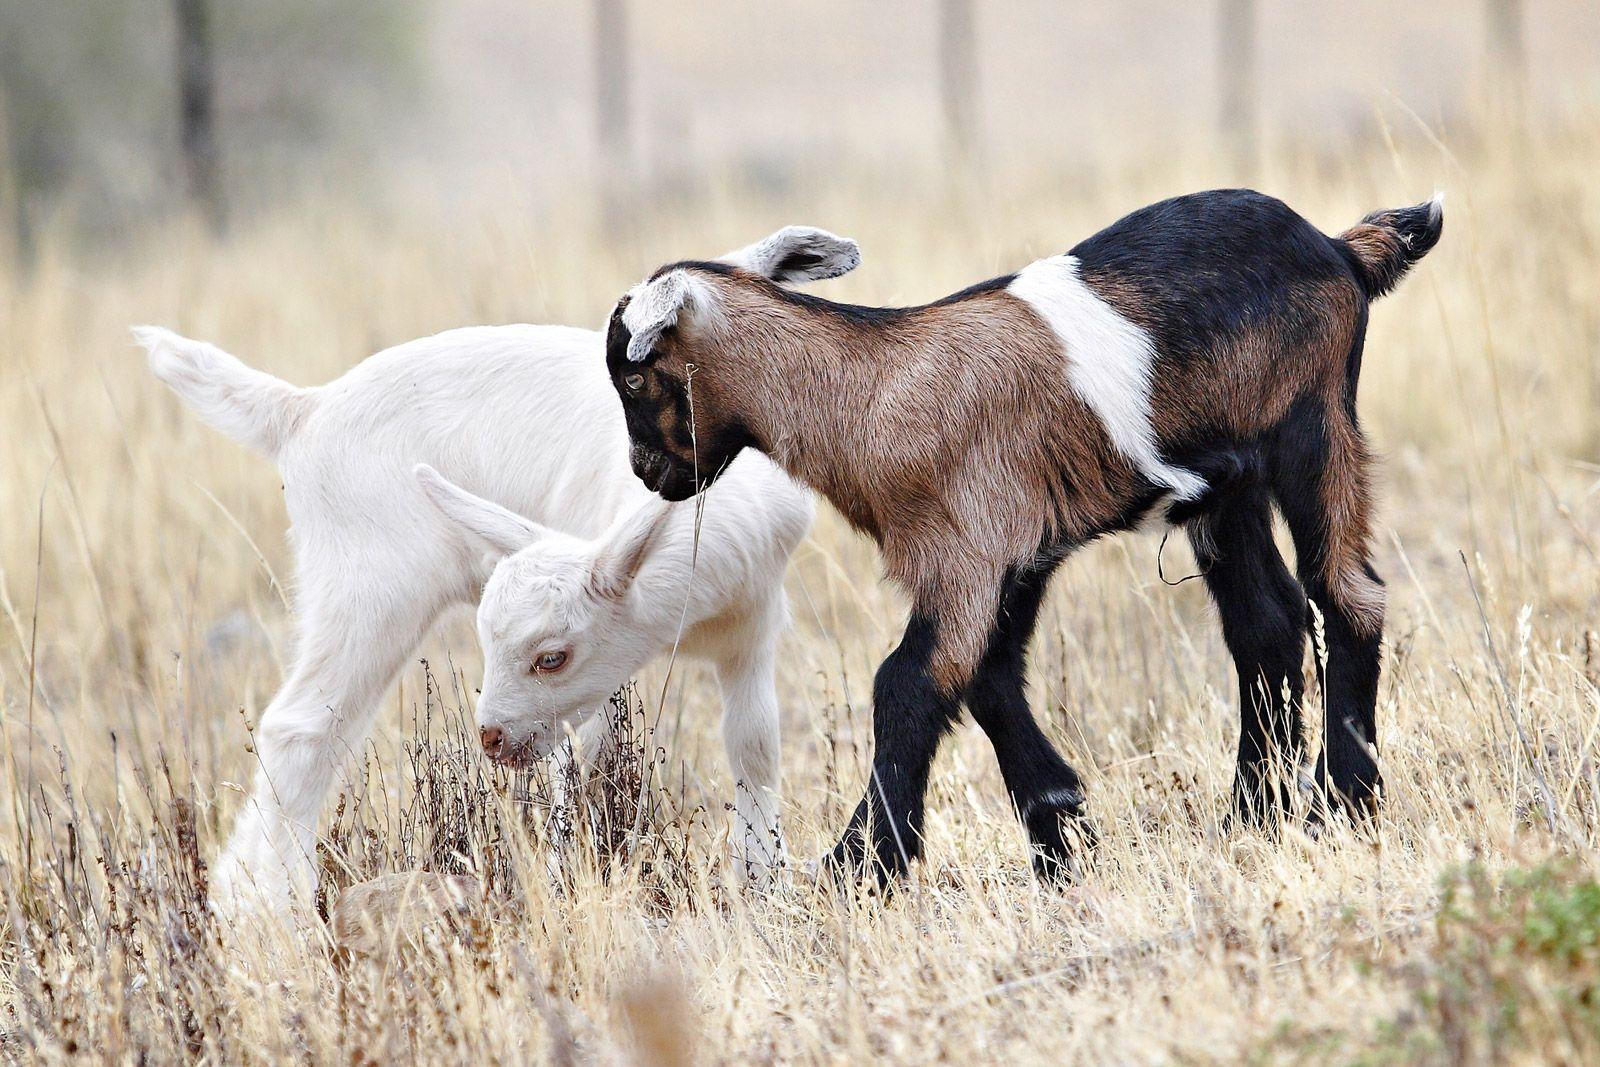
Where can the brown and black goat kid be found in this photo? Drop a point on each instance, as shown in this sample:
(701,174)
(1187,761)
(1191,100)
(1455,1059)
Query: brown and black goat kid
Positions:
(1196,361)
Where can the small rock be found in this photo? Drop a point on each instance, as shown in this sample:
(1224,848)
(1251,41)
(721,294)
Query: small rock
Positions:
(395,911)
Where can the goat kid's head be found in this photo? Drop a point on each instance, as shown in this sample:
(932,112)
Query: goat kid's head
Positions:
(558,633)
(661,350)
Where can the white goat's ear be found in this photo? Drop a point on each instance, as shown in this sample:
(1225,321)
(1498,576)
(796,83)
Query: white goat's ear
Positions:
(625,547)
(500,531)
(798,254)
(653,307)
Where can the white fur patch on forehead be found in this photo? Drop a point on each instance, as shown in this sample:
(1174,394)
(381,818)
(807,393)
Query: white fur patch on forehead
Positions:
(798,254)
(530,595)
(654,307)
(1109,364)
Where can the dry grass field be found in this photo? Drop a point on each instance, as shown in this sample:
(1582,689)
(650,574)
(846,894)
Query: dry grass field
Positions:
(144,628)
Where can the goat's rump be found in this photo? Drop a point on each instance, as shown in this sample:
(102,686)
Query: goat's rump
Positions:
(1248,307)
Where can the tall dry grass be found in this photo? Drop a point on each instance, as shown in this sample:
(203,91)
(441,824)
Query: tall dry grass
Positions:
(145,627)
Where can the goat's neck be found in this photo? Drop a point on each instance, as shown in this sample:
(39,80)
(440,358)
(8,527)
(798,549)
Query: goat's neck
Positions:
(812,389)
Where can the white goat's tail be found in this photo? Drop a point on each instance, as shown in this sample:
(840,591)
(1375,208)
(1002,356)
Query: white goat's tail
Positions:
(253,408)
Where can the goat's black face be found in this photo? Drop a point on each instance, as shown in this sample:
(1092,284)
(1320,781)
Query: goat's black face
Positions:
(678,445)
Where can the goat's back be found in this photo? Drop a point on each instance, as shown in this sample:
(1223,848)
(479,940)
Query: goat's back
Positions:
(525,416)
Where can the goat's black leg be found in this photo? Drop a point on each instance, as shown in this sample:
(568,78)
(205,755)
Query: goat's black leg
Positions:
(1347,767)
(911,713)
(1321,486)
(1263,612)
(1046,791)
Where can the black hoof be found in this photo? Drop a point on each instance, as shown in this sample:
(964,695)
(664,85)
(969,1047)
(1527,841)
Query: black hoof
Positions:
(1060,836)
(1356,792)
(1260,803)
(852,863)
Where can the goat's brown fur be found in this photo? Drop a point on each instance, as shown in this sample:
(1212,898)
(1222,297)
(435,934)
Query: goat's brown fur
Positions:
(968,456)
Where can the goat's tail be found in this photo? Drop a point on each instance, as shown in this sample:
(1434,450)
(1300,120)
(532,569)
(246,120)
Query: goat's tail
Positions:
(253,408)
(1384,245)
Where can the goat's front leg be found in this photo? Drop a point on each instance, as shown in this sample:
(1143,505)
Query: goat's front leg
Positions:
(914,704)
(750,731)
(308,733)
(1046,792)
(569,766)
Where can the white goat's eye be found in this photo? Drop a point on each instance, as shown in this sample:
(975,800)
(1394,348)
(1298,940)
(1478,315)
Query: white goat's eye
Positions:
(634,382)
(547,662)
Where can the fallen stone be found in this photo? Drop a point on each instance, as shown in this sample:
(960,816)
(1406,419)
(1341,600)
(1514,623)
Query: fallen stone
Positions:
(399,911)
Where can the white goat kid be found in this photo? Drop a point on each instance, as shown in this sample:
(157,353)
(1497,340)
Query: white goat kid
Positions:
(563,618)
(527,417)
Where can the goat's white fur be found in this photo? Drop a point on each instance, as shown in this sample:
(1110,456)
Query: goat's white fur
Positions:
(653,308)
(626,593)
(1109,363)
(524,416)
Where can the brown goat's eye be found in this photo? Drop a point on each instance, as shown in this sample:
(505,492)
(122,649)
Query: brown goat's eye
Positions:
(549,662)
(633,382)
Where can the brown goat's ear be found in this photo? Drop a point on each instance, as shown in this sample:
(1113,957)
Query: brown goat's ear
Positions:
(652,308)
(798,254)
(624,548)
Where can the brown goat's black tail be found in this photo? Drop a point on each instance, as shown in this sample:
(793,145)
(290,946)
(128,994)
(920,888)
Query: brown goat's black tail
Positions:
(1382,246)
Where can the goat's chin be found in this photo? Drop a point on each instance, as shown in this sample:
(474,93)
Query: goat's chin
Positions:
(679,483)
(672,483)
(674,490)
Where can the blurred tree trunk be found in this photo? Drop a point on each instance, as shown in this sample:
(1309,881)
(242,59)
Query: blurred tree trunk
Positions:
(15,243)
(958,75)
(197,99)
(1236,72)
(611,110)
(1508,54)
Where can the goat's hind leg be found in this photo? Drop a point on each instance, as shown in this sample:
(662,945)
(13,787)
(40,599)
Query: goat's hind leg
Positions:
(352,642)
(1263,615)
(1322,489)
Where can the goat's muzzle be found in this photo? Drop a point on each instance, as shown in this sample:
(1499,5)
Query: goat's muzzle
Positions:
(662,474)
(508,751)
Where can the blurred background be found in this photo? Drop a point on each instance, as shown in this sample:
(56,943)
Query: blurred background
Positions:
(118,113)
(304,182)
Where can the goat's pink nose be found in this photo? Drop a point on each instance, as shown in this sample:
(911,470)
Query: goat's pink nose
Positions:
(493,739)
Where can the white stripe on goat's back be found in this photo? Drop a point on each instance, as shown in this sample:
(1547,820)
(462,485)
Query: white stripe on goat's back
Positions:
(1109,363)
